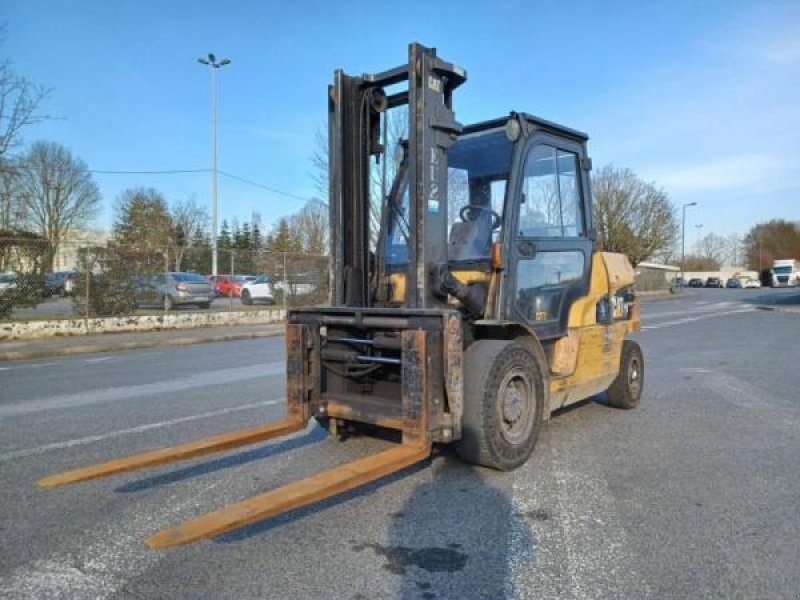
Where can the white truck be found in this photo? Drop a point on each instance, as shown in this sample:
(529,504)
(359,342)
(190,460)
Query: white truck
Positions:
(786,272)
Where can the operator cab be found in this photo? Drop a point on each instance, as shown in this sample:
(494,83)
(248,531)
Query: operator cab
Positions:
(522,182)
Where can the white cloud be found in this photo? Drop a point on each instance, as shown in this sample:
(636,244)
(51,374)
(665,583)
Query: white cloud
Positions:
(717,174)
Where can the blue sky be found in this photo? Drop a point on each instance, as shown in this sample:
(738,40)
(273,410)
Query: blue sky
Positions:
(702,98)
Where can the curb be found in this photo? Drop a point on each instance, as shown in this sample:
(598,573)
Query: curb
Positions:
(110,347)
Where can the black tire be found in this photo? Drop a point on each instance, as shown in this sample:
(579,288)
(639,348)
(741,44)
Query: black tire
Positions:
(503,404)
(204,305)
(246,299)
(626,390)
(169,303)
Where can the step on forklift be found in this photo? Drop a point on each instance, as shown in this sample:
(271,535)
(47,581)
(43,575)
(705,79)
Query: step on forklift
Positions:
(483,307)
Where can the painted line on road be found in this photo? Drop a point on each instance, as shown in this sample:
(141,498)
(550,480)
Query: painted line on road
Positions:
(697,318)
(138,429)
(100,359)
(205,379)
(674,313)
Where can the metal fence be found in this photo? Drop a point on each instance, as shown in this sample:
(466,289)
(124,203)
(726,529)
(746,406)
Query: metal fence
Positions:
(38,281)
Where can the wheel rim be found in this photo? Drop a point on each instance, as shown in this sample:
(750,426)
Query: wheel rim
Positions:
(515,406)
(635,377)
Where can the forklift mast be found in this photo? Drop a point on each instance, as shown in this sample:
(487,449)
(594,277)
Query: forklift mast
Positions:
(355,106)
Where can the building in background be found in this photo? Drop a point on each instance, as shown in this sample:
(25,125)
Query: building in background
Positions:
(66,258)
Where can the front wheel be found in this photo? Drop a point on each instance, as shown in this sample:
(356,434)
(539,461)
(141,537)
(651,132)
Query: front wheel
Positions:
(503,404)
(626,390)
(246,298)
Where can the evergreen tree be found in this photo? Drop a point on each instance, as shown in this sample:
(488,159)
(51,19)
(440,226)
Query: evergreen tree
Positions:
(198,258)
(256,242)
(244,255)
(224,245)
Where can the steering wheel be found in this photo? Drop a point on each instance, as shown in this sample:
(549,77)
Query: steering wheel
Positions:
(466,214)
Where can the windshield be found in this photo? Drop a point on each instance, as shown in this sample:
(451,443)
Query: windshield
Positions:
(477,175)
(782,270)
(189,277)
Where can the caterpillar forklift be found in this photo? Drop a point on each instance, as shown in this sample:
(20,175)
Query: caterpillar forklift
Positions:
(479,307)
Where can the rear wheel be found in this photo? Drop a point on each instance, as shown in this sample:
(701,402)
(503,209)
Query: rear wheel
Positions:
(626,390)
(246,298)
(503,404)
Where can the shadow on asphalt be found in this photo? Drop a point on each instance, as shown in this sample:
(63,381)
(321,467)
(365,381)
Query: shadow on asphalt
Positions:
(455,537)
(314,436)
(452,537)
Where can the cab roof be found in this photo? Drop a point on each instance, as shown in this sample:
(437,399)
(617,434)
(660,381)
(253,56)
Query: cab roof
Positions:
(539,123)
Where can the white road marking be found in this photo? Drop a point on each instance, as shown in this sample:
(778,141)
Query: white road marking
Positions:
(568,541)
(138,429)
(197,380)
(101,560)
(673,313)
(697,318)
(99,359)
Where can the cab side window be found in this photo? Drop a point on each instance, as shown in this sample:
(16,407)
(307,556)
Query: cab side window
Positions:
(550,205)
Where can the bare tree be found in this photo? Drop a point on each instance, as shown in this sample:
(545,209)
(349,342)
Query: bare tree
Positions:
(57,192)
(309,228)
(19,102)
(319,163)
(696,262)
(632,216)
(712,247)
(734,250)
(187,218)
(11,210)
(766,242)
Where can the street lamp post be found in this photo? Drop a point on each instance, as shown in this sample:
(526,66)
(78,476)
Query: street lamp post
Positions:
(683,238)
(215,65)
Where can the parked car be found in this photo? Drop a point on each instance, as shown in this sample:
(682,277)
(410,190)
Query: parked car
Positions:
(695,282)
(733,283)
(752,283)
(713,282)
(220,284)
(172,289)
(8,281)
(258,290)
(237,284)
(230,285)
(60,283)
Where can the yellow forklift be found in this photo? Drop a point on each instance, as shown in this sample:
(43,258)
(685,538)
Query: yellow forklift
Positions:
(482,308)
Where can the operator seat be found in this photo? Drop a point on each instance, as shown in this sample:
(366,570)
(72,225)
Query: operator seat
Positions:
(471,239)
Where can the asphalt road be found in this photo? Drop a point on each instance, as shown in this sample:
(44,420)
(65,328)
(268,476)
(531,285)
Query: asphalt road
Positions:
(693,495)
